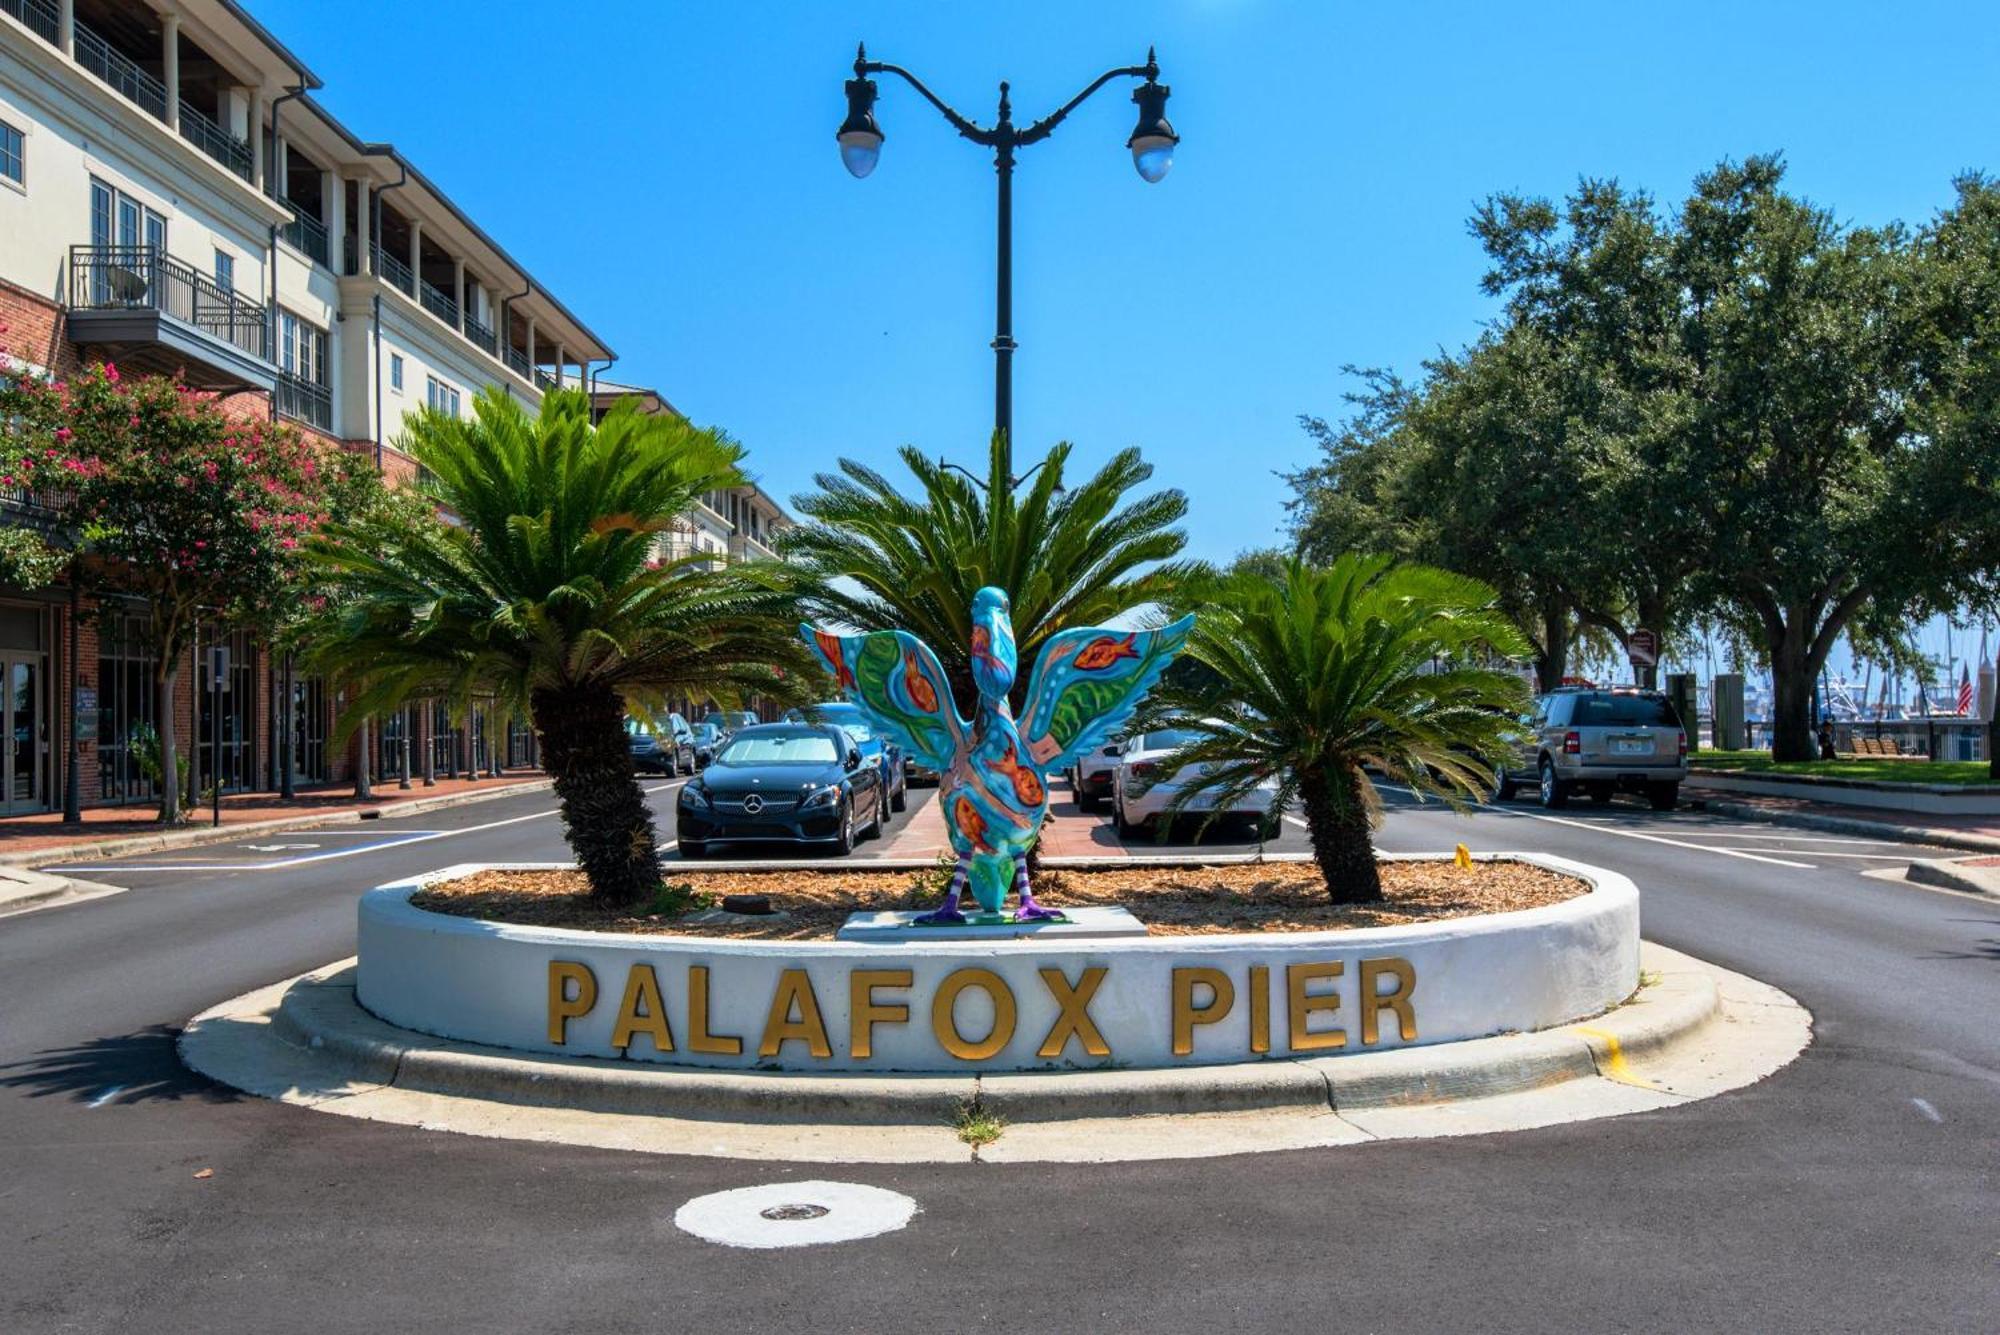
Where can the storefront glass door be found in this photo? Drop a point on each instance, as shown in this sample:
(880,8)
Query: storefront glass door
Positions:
(24,760)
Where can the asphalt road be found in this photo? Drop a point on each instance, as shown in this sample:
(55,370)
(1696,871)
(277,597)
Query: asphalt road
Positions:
(1856,1190)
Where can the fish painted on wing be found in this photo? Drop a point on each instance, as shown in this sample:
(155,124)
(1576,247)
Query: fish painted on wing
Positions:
(1102,653)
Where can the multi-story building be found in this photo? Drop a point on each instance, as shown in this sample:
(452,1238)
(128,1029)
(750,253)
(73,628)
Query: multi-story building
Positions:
(174,199)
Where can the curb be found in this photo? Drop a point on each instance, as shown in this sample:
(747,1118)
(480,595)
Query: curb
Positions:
(1902,834)
(1947,875)
(316,1015)
(215,834)
(21,888)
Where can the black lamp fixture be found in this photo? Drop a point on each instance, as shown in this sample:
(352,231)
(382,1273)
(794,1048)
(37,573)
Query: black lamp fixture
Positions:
(1151,143)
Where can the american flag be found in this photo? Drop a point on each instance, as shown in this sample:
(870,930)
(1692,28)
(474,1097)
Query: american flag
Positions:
(1964,690)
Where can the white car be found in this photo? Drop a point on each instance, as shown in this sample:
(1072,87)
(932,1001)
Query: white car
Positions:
(1138,793)
(1090,778)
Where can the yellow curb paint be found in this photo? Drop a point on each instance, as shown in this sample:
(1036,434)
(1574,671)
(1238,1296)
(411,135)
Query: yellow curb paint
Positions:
(1613,1066)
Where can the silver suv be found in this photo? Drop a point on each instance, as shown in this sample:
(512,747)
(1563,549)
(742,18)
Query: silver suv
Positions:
(1599,742)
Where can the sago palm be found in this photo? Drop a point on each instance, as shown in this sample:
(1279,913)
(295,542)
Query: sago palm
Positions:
(881,559)
(543,587)
(1320,672)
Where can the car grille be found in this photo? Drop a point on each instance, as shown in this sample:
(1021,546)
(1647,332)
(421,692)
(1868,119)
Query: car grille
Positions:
(733,806)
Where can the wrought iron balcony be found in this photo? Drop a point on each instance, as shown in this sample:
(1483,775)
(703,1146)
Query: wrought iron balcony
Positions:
(303,401)
(116,68)
(544,381)
(439,303)
(157,311)
(308,234)
(199,129)
(38,15)
(482,337)
(394,270)
(517,362)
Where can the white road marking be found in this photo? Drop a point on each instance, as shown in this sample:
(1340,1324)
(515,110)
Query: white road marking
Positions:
(106,1097)
(1924,1107)
(1788,838)
(1634,834)
(1821,853)
(391,841)
(795,1214)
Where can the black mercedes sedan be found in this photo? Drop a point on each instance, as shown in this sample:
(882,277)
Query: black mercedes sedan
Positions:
(794,783)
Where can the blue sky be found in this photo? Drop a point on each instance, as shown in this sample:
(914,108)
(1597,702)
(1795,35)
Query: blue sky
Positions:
(670,171)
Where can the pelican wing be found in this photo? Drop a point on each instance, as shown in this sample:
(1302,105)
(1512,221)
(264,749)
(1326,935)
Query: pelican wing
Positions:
(1087,683)
(898,683)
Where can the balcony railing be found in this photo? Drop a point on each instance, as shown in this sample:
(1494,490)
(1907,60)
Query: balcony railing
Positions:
(545,381)
(438,303)
(394,270)
(202,131)
(517,361)
(482,337)
(38,15)
(117,69)
(304,401)
(145,278)
(308,234)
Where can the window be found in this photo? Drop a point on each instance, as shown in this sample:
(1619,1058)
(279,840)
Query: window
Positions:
(301,348)
(117,219)
(396,372)
(441,396)
(13,154)
(225,270)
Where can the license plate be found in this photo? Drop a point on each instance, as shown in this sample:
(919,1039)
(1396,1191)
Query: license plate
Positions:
(1629,746)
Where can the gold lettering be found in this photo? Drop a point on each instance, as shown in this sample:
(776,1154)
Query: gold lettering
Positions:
(642,985)
(1397,998)
(1305,1004)
(944,1020)
(1222,995)
(562,1007)
(1260,1008)
(699,1039)
(795,990)
(1075,1018)
(864,1012)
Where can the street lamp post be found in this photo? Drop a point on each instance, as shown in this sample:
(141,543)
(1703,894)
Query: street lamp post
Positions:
(1152,144)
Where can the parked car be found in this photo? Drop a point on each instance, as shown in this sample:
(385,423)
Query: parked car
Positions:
(729,720)
(875,750)
(708,739)
(1091,777)
(1599,742)
(1140,791)
(795,783)
(661,745)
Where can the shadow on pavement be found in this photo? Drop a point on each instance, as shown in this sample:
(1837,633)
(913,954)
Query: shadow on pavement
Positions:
(141,1067)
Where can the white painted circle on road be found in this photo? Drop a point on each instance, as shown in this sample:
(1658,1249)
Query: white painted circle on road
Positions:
(795,1214)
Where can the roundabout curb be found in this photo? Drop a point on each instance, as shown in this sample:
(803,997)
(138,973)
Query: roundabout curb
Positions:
(1689,1032)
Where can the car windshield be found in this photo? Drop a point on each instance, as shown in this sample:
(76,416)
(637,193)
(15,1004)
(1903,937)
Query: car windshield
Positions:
(707,732)
(1623,711)
(1170,740)
(798,748)
(858,730)
(638,729)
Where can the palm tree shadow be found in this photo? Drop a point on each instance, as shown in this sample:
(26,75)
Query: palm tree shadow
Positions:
(139,1067)
(1985,948)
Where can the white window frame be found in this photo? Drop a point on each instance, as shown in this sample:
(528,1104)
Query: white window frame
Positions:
(441,396)
(20,182)
(225,263)
(396,372)
(302,348)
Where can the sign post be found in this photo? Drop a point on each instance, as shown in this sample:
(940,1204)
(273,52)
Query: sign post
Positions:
(1643,648)
(218,684)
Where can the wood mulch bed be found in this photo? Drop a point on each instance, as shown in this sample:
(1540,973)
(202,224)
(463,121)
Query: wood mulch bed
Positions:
(1271,897)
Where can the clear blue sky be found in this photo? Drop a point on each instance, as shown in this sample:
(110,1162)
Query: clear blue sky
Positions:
(670,171)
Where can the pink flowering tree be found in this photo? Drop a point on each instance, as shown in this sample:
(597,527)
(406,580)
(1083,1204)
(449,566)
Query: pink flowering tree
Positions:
(200,515)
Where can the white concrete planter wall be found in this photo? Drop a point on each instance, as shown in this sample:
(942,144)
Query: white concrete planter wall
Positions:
(1934,799)
(1293,993)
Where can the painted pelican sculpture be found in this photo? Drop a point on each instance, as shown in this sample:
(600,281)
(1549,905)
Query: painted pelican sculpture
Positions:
(994,789)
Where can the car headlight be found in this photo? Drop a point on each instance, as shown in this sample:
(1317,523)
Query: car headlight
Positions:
(694,795)
(825,797)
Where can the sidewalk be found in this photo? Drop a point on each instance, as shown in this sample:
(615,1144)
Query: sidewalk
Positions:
(113,831)
(1978,833)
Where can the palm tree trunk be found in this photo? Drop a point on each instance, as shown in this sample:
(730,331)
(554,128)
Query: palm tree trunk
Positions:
(604,813)
(1337,823)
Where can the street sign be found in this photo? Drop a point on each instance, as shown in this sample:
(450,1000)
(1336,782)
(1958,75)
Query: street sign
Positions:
(1643,648)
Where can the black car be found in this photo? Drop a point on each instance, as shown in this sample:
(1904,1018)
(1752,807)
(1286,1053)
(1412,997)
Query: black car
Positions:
(794,783)
(663,745)
(708,739)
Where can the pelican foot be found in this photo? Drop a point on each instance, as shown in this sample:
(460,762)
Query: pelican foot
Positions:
(947,916)
(1030,911)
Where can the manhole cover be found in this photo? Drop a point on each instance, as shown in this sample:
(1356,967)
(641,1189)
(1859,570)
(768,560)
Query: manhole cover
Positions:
(795,1214)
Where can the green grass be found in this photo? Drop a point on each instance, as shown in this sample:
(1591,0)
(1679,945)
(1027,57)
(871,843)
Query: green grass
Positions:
(1869,768)
(975,1125)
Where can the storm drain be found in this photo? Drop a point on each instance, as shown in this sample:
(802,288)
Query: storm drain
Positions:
(795,1214)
